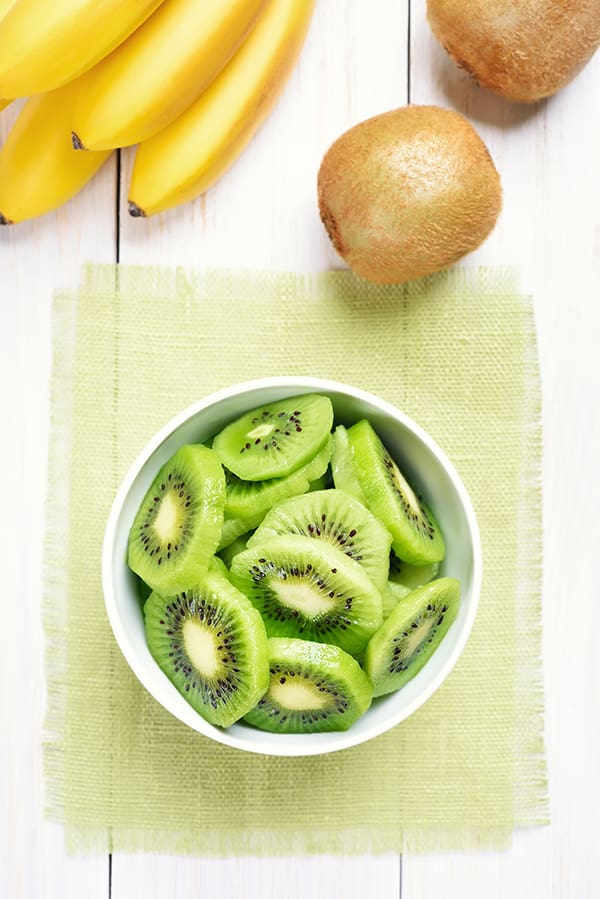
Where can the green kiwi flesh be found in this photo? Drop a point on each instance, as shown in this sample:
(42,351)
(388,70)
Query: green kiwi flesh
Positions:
(416,537)
(411,576)
(342,468)
(308,589)
(411,634)
(211,643)
(218,566)
(232,529)
(178,525)
(276,439)
(251,500)
(322,483)
(337,518)
(313,687)
(233,548)
(325,591)
(143,590)
(391,595)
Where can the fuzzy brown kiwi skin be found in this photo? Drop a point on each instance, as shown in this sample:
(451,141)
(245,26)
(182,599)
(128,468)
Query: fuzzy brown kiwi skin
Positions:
(408,193)
(331,227)
(524,50)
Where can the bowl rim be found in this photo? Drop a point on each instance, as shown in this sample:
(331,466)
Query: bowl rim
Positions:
(313,384)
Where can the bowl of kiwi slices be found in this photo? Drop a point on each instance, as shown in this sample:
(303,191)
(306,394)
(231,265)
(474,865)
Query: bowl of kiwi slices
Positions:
(291,566)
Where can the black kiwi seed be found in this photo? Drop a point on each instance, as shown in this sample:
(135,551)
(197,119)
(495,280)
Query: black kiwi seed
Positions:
(330,691)
(277,439)
(150,545)
(177,527)
(416,538)
(333,517)
(212,645)
(307,588)
(420,519)
(411,634)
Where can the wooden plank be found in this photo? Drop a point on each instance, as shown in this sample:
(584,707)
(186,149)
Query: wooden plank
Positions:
(263,214)
(247,878)
(35,258)
(547,155)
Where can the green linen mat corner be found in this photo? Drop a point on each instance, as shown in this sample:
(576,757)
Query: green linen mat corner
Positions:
(457,352)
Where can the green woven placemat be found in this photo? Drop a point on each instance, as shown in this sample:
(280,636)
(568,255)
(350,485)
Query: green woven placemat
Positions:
(457,352)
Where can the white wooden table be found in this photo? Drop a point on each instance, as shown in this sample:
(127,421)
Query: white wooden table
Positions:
(361,58)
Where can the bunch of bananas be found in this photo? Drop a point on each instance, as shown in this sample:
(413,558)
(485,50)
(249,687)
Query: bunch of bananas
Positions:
(188,81)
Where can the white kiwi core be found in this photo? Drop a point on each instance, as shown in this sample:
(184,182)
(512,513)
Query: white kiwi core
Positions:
(297,594)
(201,647)
(418,635)
(167,519)
(404,488)
(297,695)
(261,431)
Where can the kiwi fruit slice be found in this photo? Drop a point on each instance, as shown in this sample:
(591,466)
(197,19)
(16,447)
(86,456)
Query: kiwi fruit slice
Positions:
(247,502)
(143,590)
(408,192)
(415,535)
(313,687)
(411,576)
(411,634)
(342,469)
(338,518)
(178,525)
(523,51)
(251,500)
(308,589)
(231,530)
(211,643)
(322,483)
(232,549)
(276,439)
(391,595)
(218,566)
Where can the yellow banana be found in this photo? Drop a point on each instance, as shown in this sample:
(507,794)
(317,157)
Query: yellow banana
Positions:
(43,44)
(186,158)
(39,169)
(159,71)
(5,5)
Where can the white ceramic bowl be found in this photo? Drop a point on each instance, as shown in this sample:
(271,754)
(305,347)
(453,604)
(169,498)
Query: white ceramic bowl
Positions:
(424,464)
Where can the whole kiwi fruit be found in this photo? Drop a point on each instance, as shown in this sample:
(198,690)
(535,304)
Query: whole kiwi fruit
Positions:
(407,193)
(522,49)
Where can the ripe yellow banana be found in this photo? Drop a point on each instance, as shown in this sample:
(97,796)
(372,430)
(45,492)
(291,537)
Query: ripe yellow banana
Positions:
(44,44)
(39,169)
(5,5)
(159,71)
(183,161)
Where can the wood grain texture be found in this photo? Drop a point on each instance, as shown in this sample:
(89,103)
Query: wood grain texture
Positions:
(285,878)
(35,257)
(263,214)
(547,155)
(263,211)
